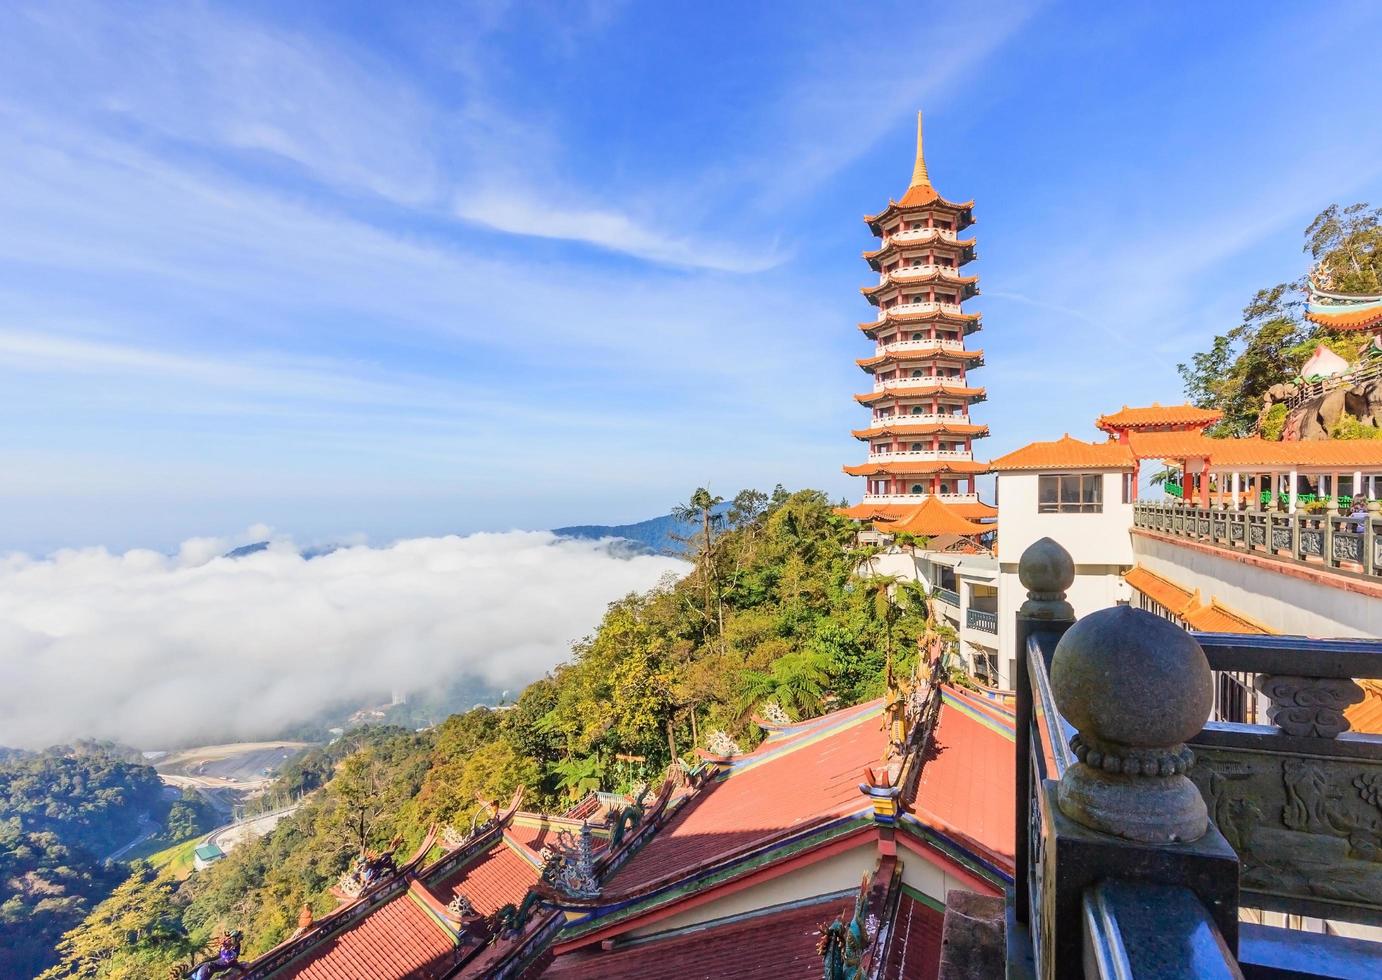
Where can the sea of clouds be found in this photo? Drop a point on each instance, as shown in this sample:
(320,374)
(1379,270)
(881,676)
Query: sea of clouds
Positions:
(156,650)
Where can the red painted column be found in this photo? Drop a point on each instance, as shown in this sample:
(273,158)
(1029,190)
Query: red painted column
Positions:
(1204,484)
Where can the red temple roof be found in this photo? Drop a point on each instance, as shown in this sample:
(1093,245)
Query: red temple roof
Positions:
(773,944)
(785,784)
(398,939)
(914,944)
(502,876)
(973,735)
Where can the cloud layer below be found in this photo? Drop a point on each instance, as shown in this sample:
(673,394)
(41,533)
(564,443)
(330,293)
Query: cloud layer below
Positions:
(154,650)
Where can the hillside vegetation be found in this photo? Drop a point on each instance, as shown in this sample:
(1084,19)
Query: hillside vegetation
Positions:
(771,610)
(1274,340)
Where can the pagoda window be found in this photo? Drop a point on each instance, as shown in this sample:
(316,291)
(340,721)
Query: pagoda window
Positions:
(918,488)
(1070,493)
(918,409)
(917,336)
(918,373)
(917,447)
(882,447)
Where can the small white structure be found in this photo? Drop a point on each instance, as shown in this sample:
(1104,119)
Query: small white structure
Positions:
(1078,493)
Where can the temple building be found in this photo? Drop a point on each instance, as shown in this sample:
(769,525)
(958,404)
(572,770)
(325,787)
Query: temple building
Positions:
(839,840)
(920,437)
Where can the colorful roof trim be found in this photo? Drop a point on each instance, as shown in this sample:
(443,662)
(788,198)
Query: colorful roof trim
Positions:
(1363,315)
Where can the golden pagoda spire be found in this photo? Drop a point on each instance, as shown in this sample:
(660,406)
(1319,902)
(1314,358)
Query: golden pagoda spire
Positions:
(920,178)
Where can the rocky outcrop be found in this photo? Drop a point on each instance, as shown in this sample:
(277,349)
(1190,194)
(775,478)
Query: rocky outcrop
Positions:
(1313,417)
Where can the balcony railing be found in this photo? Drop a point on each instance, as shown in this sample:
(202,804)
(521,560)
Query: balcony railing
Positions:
(924,418)
(1143,833)
(935,343)
(924,454)
(918,498)
(902,308)
(978,619)
(1341,542)
(948,596)
(905,272)
(921,382)
(921,235)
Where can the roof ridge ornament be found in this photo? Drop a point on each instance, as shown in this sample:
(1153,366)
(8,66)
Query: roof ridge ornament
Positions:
(920,178)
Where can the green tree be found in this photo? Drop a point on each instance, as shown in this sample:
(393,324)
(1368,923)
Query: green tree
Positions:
(701,509)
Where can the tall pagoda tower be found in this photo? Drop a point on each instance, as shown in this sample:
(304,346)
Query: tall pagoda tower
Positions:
(920,436)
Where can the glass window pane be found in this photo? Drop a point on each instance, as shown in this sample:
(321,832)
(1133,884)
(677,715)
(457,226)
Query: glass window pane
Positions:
(1070,489)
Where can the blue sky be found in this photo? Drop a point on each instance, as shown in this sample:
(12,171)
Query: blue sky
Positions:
(411,269)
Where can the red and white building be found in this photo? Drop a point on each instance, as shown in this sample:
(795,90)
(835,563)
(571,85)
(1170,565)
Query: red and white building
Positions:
(920,436)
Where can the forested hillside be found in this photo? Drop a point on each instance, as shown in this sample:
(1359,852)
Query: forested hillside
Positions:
(61,812)
(771,610)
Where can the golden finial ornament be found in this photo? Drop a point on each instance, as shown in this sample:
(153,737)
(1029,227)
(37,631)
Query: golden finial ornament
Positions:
(920,178)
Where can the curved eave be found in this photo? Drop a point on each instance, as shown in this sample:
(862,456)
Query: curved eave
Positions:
(963,249)
(962,210)
(1364,316)
(960,467)
(935,277)
(930,429)
(931,354)
(918,391)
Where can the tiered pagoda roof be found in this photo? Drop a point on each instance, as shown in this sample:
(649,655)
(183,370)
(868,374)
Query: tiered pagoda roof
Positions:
(1159,417)
(976,510)
(1341,311)
(921,287)
(931,519)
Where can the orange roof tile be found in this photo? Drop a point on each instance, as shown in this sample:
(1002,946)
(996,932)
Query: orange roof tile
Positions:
(1256,452)
(1218,618)
(1067,454)
(930,518)
(1161,590)
(891,512)
(1159,415)
(904,431)
(917,391)
(1366,715)
(903,467)
(914,941)
(921,354)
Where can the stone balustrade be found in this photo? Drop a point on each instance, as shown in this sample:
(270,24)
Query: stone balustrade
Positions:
(1142,828)
(1338,541)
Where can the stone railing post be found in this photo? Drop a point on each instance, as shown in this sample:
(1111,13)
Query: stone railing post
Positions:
(1136,687)
(1045,570)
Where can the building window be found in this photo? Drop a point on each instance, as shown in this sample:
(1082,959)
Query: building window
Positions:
(917,447)
(1070,493)
(918,488)
(1127,488)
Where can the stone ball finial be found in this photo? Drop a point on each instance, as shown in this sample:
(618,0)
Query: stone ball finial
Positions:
(1135,687)
(1046,570)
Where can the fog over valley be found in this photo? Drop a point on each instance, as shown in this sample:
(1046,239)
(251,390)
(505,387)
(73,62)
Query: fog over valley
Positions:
(156,650)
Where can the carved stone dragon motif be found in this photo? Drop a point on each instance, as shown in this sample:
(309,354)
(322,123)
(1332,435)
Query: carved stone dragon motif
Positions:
(569,864)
